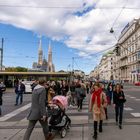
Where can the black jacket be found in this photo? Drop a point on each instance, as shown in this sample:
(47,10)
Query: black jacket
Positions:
(1,93)
(22,88)
(116,98)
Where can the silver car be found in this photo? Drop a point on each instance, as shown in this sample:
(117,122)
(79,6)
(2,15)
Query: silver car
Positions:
(28,88)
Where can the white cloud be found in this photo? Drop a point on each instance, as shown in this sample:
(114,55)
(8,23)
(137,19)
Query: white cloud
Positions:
(88,33)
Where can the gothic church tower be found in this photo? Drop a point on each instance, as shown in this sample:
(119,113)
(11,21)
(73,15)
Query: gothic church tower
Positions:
(51,67)
(40,53)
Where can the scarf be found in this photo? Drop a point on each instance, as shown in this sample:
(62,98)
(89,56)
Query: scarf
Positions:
(97,94)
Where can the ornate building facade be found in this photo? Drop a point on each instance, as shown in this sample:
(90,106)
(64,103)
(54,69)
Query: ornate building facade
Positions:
(42,64)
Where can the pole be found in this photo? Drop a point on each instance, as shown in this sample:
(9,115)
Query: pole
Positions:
(2,42)
(72,69)
(72,64)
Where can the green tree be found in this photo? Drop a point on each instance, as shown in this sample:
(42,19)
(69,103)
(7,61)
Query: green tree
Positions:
(16,69)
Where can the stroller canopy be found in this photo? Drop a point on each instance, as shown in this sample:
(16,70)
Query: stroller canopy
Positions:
(62,100)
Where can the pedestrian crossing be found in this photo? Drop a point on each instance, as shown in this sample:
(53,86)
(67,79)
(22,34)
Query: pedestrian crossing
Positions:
(76,116)
(14,113)
(136,100)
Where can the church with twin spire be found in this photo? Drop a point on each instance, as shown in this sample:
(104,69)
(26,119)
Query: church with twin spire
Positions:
(42,64)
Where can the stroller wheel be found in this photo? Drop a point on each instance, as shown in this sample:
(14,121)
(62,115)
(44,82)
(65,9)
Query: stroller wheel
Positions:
(63,132)
(68,125)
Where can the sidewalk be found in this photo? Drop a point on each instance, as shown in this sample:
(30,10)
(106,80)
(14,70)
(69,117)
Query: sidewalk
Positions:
(77,132)
(129,132)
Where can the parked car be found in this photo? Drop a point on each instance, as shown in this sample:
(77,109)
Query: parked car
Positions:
(2,85)
(137,84)
(28,88)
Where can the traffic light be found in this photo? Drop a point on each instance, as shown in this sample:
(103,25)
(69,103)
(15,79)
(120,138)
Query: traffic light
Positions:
(117,50)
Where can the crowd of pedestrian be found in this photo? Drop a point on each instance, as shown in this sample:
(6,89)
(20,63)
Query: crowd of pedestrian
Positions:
(101,96)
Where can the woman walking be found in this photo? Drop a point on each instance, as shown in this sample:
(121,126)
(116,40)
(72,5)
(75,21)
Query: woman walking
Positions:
(106,93)
(97,104)
(110,92)
(80,94)
(118,101)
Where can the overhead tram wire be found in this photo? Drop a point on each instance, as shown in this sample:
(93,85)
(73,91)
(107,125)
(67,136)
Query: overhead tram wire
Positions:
(39,7)
(124,7)
(65,7)
(119,14)
(94,54)
(77,65)
(129,44)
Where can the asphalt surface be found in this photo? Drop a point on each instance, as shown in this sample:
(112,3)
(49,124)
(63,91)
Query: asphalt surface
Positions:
(13,127)
(132,105)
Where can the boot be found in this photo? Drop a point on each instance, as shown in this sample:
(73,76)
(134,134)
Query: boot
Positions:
(106,114)
(100,126)
(95,129)
(95,135)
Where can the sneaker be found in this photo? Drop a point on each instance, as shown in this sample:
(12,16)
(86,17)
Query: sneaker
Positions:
(16,104)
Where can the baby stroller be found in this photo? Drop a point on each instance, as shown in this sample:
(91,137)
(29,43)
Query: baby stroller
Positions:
(59,120)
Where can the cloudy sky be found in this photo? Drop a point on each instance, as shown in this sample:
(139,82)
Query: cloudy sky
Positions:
(76,28)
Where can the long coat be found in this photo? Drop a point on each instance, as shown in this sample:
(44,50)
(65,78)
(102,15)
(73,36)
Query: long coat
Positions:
(98,113)
(38,109)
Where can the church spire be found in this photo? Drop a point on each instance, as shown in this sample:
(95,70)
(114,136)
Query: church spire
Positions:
(50,54)
(40,52)
(40,44)
(50,63)
(50,48)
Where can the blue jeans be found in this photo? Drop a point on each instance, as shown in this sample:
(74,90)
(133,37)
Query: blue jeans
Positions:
(119,113)
(0,111)
(19,95)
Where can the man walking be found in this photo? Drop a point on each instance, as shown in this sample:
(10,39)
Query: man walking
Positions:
(38,112)
(19,90)
(2,89)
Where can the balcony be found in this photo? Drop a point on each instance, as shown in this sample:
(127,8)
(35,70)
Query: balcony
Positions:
(123,57)
(123,66)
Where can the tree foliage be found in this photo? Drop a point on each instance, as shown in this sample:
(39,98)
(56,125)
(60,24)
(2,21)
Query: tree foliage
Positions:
(16,69)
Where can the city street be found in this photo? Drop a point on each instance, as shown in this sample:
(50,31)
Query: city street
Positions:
(13,122)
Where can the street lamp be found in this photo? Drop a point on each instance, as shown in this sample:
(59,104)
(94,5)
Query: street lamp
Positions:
(112,30)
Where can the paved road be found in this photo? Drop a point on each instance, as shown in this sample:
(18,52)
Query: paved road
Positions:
(14,120)
(131,108)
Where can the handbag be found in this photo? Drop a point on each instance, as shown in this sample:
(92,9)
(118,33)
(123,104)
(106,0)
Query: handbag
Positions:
(123,100)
